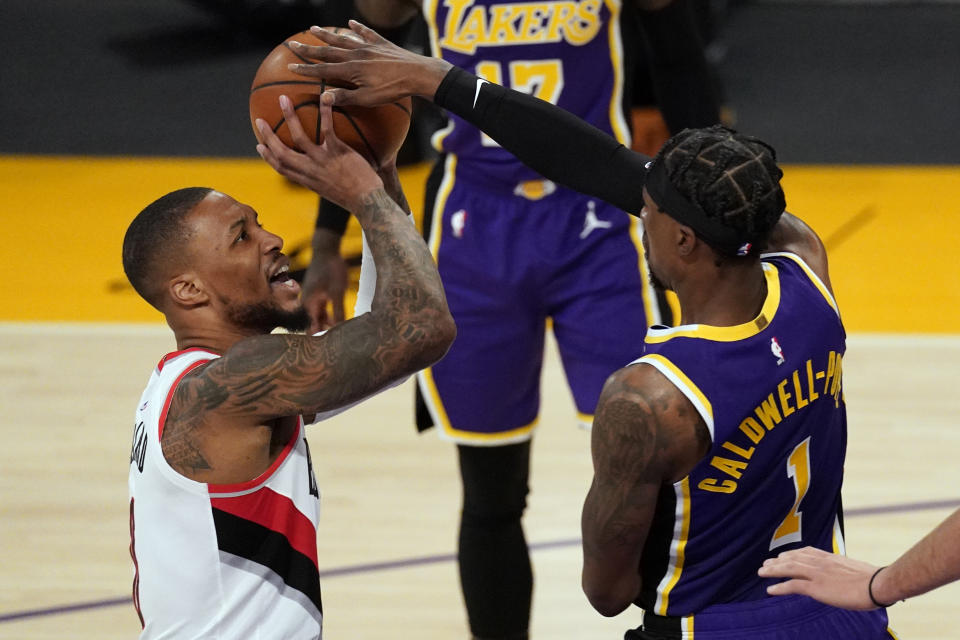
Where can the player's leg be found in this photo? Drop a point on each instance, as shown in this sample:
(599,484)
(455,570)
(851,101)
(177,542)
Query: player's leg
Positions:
(495,571)
(484,396)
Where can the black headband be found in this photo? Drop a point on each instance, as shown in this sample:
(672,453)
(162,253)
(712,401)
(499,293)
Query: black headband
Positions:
(677,206)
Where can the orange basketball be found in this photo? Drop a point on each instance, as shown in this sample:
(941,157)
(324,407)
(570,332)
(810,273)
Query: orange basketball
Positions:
(375,132)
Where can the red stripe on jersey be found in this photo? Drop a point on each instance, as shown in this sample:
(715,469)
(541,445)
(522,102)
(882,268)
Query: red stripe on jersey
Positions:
(173,388)
(276,512)
(251,484)
(173,354)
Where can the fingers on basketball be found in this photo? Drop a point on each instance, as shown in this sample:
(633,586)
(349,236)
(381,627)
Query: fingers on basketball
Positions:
(375,132)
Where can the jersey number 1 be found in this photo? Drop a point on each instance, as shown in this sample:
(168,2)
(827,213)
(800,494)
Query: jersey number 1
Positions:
(798,468)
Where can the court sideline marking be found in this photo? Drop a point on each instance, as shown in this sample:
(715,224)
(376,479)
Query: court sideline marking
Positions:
(405,563)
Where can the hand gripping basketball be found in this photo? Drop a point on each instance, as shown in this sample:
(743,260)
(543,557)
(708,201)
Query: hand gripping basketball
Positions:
(375,131)
(331,169)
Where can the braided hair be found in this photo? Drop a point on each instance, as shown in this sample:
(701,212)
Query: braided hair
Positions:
(732,177)
(156,237)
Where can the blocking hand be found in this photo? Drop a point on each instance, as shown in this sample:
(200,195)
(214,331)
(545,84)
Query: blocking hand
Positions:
(378,70)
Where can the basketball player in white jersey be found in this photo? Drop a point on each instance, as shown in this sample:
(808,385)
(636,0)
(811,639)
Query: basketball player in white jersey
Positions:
(224,505)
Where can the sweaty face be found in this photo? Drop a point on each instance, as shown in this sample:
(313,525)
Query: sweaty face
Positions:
(653,228)
(241,267)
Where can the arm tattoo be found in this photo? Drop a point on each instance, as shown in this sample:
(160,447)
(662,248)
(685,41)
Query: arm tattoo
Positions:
(181,449)
(407,329)
(643,437)
(625,441)
(391,184)
(180,438)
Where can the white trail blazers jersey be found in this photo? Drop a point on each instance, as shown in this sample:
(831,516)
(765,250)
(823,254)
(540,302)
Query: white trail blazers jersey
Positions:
(220,561)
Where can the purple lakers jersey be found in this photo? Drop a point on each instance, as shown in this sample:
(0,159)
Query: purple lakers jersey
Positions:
(770,394)
(567,52)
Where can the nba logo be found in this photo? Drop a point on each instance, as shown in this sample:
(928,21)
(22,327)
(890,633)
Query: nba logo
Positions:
(457,222)
(777,351)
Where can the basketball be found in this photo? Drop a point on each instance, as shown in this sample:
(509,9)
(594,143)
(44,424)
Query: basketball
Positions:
(375,132)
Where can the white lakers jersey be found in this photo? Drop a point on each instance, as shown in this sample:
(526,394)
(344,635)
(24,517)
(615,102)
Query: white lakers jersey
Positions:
(220,561)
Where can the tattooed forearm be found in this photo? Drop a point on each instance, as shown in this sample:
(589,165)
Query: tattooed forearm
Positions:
(408,290)
(391,184)
(409,327)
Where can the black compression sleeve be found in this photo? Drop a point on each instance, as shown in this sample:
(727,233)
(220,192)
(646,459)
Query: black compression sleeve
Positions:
(332,216)
(549,140)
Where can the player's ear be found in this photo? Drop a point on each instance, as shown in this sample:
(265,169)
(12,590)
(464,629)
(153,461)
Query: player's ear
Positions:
(686,240)
(187,290)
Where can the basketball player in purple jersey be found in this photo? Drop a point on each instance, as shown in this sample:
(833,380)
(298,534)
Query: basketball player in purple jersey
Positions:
(517,251)
(723,443)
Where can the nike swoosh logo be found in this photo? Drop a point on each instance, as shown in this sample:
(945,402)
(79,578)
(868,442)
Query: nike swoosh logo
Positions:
(476,93)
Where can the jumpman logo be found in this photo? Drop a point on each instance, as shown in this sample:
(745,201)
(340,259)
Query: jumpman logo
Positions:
(591,222)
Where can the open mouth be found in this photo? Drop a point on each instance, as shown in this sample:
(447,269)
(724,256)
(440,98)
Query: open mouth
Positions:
(282,278)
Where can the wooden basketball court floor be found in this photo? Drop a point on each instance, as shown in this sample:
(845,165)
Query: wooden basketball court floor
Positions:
(76,348)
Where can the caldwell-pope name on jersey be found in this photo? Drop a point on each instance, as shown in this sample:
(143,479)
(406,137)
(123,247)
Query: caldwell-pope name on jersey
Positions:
(468,26)
(793,393)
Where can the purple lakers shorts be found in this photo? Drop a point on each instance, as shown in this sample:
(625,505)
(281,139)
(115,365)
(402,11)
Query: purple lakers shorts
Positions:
(512,260)
(780,618)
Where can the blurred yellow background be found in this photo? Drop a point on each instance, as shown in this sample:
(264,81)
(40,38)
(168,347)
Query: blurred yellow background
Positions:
(891,233)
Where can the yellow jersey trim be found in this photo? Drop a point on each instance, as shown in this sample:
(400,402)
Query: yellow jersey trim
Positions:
(674,304)
(650,307)
(493,439)
(618,121)
(839,544)
(686,386)
(446,186)
(657,335)
(431,397)
(677,548)
(814,278)
(429,12)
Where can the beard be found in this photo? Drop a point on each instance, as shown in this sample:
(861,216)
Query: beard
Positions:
(656,282)
(264,317)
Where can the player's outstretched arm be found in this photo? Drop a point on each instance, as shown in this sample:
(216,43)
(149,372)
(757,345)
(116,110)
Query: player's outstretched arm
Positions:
(638,444)
(553,142)
(844,582)
(408,327)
